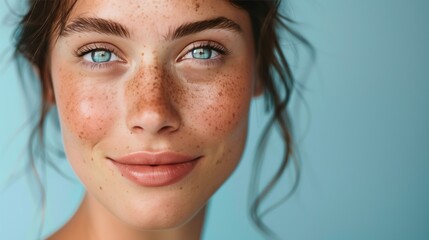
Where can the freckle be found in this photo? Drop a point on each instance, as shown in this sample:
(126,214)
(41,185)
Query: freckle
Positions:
(181,188)
(217,162)
(100,188)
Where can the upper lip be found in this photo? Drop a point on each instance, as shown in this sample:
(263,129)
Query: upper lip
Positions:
(154,158)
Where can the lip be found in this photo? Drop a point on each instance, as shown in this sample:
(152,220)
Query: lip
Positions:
(155,169)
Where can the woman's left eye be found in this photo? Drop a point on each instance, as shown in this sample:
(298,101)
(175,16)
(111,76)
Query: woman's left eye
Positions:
(205,51)
(100,56)
(202,53)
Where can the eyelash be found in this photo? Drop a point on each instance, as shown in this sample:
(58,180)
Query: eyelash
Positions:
(212,46)
(94,47)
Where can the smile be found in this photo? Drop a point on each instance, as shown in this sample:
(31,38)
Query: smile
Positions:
(155,169)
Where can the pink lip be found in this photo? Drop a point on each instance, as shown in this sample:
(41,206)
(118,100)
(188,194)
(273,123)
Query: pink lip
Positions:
(155,169)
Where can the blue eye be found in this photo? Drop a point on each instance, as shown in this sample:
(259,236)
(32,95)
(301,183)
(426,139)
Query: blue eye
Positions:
(100,56)
(202,53)
(205,51)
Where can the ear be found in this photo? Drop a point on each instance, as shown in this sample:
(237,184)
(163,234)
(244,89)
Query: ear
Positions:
(48,90)
(49,93)
(46,81)
(258,88)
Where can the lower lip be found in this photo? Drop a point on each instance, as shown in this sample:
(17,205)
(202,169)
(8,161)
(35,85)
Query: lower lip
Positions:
(156,176)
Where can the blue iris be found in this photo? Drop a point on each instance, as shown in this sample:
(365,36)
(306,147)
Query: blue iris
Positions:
(101,56)
(202,53)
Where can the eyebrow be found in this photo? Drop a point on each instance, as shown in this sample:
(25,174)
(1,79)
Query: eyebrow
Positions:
(97,25)
(104,26)
(199,26)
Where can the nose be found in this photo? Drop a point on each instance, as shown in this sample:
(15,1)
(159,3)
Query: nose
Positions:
(149,102)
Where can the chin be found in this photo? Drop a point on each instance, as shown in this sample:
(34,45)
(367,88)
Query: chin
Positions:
(158,210)
(164,221)
(160,220)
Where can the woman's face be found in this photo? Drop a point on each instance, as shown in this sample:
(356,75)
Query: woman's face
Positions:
(153,98)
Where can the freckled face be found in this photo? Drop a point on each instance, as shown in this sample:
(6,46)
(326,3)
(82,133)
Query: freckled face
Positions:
(154,92)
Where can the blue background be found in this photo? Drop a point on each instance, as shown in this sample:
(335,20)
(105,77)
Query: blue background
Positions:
(363,136)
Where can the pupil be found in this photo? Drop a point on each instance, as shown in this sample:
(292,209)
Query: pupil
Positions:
(202,53)
(101,56)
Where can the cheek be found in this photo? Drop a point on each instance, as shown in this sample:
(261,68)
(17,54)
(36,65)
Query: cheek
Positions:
(222,108)
(220,120)
(84,109)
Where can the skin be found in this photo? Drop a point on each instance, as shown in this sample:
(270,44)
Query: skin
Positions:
(153,97)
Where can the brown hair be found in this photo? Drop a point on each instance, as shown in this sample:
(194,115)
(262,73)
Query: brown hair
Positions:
(46,17)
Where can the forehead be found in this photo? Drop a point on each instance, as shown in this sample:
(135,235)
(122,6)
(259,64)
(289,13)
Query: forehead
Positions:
(158,16)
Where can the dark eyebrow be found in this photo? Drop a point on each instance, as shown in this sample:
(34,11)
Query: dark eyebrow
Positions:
(98,25)
(104,26)
(194,27)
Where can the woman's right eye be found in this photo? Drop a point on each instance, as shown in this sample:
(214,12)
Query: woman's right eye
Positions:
(100,56)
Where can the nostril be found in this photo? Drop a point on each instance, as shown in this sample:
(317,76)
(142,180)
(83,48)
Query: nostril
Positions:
(154,129)
(136,129)
(167,129)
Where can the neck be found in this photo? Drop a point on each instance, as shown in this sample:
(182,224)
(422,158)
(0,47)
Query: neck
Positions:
(93,221)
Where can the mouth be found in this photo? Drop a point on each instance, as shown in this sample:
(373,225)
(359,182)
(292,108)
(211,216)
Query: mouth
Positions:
(155,169)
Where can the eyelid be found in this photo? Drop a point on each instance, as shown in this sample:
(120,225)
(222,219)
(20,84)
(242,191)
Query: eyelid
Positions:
(88,48)
(99,46)
(222,51)
(87,56)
